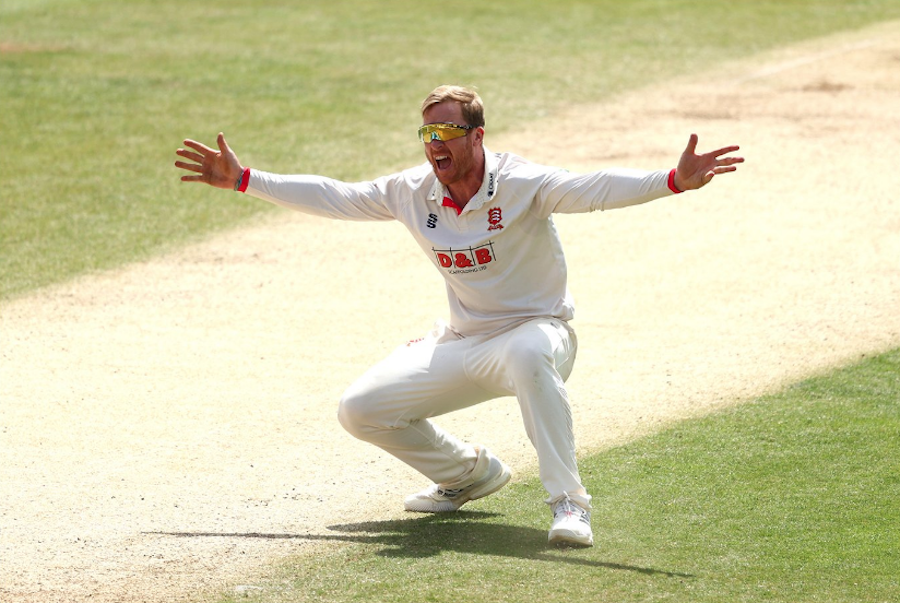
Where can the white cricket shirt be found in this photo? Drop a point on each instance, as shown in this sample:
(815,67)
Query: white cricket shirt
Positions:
(501,256)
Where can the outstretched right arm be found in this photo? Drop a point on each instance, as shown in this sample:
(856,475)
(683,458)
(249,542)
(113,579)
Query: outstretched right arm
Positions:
(316,195)
(220,169)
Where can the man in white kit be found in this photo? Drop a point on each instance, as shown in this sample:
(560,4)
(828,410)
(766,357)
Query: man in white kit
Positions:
(484,220)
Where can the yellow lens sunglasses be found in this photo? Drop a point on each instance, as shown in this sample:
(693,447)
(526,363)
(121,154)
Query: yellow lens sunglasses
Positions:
(442,132)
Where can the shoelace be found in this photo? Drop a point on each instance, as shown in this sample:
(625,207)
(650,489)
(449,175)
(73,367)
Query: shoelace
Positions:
(448,493)
(567,507)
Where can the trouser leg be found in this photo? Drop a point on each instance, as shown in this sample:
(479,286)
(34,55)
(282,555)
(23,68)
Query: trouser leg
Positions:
(390,405)
(532,362)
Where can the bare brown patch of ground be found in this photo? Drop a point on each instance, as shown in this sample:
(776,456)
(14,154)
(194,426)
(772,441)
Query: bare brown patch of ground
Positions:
(17,48)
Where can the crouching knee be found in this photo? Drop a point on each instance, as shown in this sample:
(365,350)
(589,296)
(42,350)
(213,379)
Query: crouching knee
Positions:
(357,413)
(349,414)
(527,359)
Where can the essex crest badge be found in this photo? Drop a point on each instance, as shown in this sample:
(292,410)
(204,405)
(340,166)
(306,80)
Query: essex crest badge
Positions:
(495,216)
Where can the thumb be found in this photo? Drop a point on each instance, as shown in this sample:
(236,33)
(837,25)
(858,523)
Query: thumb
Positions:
(223,146)
(691,145)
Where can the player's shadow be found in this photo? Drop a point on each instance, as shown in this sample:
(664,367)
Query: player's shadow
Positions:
(463,532)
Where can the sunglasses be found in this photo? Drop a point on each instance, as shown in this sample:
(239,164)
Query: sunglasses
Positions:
(442,132)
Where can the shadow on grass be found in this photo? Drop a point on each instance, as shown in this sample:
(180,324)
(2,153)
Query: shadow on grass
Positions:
(464,532)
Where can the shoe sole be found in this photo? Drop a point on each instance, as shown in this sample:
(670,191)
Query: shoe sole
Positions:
(570,538)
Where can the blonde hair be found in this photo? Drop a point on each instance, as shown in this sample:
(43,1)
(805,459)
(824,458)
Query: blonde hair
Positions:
(470,102)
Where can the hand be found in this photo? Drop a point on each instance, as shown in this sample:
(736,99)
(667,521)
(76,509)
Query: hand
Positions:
(217,168)
(695,171)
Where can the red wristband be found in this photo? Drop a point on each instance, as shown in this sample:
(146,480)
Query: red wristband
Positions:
(671,183)
(245,180)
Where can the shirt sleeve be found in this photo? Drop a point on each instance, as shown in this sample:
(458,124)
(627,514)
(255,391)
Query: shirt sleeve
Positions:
(325,197)
(562,192)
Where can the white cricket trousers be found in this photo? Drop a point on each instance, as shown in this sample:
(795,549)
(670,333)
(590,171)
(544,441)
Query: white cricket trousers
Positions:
(389,406)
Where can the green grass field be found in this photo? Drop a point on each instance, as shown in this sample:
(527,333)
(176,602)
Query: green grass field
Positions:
(791,498)
(96,97)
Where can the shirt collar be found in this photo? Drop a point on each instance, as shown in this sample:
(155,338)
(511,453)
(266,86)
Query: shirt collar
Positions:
(488,188)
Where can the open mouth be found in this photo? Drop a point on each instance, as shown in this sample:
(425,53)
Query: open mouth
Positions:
(442,162)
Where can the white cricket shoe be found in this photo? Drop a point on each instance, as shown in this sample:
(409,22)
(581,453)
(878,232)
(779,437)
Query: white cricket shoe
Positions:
(493,475)
(571,524)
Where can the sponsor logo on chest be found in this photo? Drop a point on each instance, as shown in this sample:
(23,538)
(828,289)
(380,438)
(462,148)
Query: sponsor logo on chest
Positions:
(470,259)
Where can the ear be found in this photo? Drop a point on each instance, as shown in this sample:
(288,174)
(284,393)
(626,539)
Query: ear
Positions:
(478,135)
